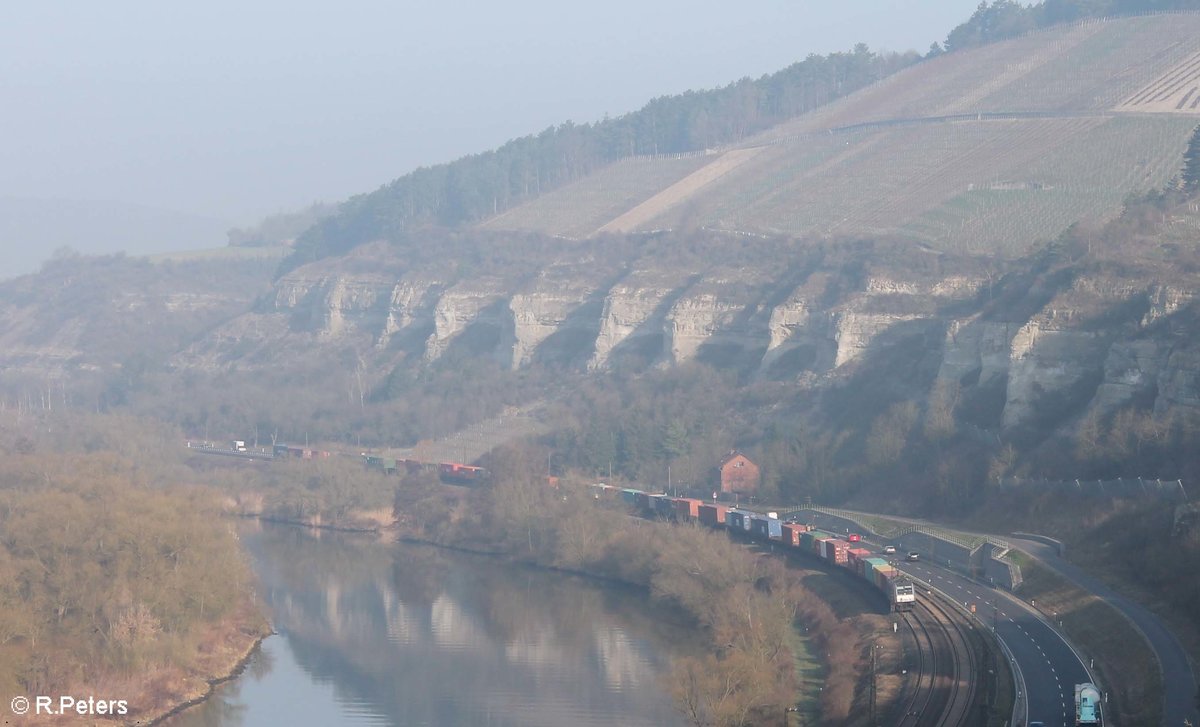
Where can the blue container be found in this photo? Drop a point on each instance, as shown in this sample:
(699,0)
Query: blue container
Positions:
(774,529)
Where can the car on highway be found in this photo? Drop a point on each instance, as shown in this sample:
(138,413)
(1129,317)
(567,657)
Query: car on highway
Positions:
(889,550)
(913,556)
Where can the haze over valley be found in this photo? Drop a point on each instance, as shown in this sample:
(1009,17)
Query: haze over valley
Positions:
(855,354)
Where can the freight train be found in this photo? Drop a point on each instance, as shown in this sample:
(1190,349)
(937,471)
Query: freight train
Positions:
(451,472)
(834,549)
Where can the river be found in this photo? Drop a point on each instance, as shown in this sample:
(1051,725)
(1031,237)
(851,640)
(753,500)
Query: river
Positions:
(398,634)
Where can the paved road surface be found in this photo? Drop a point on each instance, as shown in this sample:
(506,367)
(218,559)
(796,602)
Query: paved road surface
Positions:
(1049,666)
(1179,681)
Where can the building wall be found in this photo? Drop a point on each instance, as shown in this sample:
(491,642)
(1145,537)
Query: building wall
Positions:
(739,475)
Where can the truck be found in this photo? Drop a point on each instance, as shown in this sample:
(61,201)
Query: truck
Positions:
(239,445)
(1087,704)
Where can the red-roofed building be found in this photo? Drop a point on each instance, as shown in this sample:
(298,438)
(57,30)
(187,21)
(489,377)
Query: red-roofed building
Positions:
(736,473)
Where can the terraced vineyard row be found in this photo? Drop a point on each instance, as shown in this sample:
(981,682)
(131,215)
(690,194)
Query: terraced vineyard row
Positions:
(1178,90)
(1065,69)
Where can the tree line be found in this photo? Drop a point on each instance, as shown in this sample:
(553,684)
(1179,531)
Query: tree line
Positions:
(480,185)
(107,577)
(1006,18)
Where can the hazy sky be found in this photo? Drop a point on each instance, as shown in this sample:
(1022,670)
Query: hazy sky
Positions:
(232,111)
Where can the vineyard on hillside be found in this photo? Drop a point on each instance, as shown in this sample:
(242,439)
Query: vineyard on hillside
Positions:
(988,186)
(580,208)
(993,149)
(1089,67)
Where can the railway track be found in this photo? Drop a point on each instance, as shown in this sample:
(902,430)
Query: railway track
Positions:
(945,668)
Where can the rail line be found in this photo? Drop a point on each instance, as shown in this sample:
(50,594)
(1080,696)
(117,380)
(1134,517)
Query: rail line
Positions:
(945,678)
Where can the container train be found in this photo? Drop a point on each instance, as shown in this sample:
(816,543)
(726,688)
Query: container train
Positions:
(450,472)
(833,549)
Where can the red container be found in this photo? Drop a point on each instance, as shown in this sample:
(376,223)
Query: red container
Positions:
(838,552)
(712,515)
(687,508)
(791,534)
(856,557)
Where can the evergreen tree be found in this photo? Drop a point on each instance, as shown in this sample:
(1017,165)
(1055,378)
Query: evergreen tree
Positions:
(1191,162)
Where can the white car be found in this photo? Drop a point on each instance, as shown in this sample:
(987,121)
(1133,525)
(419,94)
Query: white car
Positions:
(889,550)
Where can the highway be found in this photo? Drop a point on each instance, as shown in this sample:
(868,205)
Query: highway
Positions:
(1179,681)
(1050,668)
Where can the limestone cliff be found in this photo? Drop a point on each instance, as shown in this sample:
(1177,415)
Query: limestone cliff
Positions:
(1038,347)
(1051,351)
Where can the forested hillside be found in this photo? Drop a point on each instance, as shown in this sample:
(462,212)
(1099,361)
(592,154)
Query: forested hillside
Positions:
(483,184)
(1007,18)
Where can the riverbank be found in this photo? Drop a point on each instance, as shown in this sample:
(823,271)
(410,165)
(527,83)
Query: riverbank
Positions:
(224,650)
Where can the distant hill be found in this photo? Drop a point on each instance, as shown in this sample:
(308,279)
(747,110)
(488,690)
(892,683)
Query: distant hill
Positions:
(849,264)
(32,229)
(992,150)
(481,185)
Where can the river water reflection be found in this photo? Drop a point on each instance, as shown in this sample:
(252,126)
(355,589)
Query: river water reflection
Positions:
(371,633)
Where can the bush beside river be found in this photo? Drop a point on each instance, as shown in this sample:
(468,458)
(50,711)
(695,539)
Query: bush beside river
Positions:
(112,585)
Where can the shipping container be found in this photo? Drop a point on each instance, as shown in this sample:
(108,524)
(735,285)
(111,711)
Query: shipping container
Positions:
(641,501)
(712,515)
(870,565)
(738,520)
(837,551)
(822,546)
(774,529)
(818,536)
(663,507)
(758,526)
(687,508)
(629,496)
(791,534)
